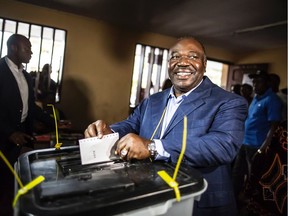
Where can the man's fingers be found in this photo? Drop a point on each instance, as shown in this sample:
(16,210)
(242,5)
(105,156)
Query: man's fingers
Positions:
(123,152)
(28,137)
(90,131)
(98,128)
(86,134)
(121,149)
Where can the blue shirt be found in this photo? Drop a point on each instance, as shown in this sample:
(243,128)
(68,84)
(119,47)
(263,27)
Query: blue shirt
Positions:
(262,111)
(172,106)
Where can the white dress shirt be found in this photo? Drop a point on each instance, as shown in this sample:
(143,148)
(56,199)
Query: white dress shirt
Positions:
(22,85)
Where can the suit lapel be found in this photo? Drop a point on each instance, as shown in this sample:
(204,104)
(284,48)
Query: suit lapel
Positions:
(158,105)
(194,100)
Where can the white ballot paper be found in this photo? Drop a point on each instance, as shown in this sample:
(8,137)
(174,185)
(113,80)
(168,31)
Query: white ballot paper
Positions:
(95,150)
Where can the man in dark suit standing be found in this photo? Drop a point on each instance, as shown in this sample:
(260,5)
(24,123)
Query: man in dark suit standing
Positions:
(16,112)
(215,127)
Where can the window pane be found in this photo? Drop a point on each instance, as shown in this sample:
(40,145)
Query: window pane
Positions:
(136,75)
(164,72)
(58,55)
(154,71)
(47,45)
(35,39)
(1,41)
(10,26)
(9,29)
(23,28)
(146,67)
(58,58)
(214,71)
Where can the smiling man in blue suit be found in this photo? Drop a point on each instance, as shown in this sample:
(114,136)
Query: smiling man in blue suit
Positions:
(215,126)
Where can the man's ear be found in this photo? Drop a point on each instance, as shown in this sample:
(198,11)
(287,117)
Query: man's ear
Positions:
(205,64)
(14,47)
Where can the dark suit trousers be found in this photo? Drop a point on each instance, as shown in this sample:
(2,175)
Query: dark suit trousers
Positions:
(227,210)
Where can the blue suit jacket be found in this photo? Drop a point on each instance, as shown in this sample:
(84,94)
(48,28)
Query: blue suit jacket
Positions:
(215,123)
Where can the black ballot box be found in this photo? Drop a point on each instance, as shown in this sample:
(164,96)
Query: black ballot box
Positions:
(106,188)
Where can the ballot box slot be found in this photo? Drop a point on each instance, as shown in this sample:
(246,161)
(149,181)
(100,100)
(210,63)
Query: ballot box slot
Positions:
(70,166)
(48,153)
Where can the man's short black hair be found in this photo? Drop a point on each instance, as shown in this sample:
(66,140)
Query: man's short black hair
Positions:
(14,39)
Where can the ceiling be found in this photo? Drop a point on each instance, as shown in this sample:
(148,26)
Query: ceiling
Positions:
(236,25)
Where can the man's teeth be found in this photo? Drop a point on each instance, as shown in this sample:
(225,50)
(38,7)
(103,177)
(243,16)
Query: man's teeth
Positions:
(183,73)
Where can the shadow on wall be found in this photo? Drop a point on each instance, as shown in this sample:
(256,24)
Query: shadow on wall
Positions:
(75,103)
(120,46)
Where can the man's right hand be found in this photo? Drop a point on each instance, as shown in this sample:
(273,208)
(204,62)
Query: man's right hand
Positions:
(98,128)
(20,138)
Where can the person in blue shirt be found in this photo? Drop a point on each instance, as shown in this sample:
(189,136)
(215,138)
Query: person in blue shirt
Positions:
(264,115)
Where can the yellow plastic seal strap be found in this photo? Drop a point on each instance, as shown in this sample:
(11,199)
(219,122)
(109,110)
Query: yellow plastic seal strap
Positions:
(183,148)
(28,187)
(11,168)
(172,183)
(23,189)
(57,145)
(164,175)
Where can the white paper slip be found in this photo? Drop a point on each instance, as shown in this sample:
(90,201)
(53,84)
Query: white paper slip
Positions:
(95,150)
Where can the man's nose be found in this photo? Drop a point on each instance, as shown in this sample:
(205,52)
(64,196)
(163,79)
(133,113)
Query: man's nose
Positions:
(183,60)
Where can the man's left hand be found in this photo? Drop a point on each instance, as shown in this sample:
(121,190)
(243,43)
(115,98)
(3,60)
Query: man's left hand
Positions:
(133,146)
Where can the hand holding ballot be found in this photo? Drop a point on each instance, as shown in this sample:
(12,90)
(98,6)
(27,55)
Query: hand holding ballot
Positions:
(99,128)
(95,150)
(130,146)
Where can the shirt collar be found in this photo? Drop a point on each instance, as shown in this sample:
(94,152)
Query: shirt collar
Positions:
(11,64)
(268,91)
(171,94)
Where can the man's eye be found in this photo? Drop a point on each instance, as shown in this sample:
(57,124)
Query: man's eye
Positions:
(194,57)
(175,57)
